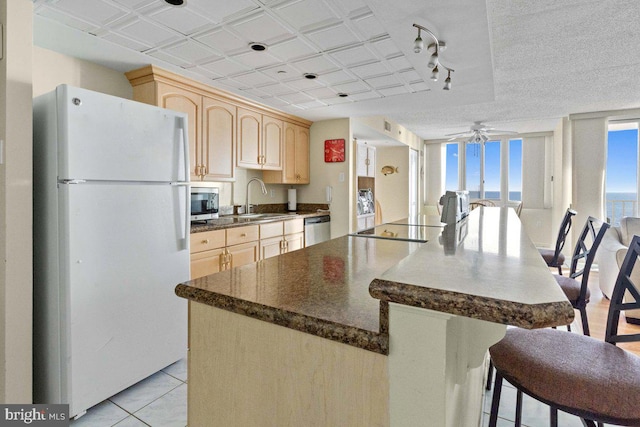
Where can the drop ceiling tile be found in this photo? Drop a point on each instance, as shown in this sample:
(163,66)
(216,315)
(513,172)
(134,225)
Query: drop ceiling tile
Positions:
(220,11)
(206,73)
(336,77)
(296,98)
(231,83)
(222,40)
(253,79)
(136,4)
(254,59)
(351,87)
(400,63)
(283,72)
(147,32)
(370,70)
(126,42)
(65,19)
(191,51)
(354,56)
(226,67)
(318,64)
(337,100)
(306,14)
(94,11)
(276,102)
(369,26)
(257,93)
(348,7)
(383,81)
(291,49)
(363,96)
(302,83)
(322,92)
(390,91)
(419,86)
(386,47)
(312,104)
(333,37)
(261,28)
(181,19)
(163,56)
(410,76)
(277,89)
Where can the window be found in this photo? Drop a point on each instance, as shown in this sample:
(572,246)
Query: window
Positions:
(515,170)
(451,168)
(491,182)
(621,187)
(482,162)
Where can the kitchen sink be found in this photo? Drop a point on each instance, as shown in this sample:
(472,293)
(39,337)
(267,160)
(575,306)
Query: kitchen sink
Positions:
(262,215)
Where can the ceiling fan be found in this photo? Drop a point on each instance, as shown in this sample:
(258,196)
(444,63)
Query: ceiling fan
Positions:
(478,133)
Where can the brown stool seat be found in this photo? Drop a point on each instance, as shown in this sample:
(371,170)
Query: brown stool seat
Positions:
(571,288)
(549,254)
(577,374)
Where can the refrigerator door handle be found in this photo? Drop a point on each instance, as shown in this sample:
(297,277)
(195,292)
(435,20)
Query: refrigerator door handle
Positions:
(185,147)
(187,213)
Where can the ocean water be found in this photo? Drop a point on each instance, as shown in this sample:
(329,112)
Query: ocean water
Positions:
(514,196)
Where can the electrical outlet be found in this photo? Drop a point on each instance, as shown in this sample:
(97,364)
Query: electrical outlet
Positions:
(273,193)
(341,177)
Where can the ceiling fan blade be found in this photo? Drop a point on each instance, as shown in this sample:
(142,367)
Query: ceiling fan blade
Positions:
(499,132)
(460,133)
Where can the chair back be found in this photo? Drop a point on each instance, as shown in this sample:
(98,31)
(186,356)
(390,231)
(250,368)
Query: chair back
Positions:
(562,234)
(623,284)
(595,229)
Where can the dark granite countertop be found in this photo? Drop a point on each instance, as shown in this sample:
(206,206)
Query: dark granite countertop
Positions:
(230,221)
(484,267)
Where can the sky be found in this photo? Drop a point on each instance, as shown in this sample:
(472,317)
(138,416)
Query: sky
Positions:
(622,161)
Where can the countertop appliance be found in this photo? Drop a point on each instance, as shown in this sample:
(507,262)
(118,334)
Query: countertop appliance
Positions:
(111,242)
(455,206)
(204,203)
(317,229)
(411,233)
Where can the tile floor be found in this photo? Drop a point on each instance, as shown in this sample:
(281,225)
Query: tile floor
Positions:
(159,401)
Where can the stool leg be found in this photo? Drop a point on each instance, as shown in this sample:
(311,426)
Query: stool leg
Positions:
(560,269)
(489,376)
(585,322)
(518,422)
(495,401)
(553,416)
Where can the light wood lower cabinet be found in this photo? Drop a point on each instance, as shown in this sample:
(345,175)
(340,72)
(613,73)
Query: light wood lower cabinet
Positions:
(280,237)
(217,250)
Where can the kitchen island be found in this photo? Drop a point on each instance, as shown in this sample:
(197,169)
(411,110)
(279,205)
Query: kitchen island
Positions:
(365,331)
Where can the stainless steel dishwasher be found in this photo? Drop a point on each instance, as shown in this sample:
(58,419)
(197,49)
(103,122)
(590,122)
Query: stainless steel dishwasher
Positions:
(317,229)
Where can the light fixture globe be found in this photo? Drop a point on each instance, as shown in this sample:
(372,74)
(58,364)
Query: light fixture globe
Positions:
(447,84)
(418,45)
(433,60)
(435,73)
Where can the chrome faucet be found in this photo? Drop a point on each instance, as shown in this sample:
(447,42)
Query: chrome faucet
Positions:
(262,187)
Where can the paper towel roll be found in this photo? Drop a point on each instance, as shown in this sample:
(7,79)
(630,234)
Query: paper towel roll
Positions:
(292,200)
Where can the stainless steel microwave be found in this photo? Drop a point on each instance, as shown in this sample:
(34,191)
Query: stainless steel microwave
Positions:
(204,203)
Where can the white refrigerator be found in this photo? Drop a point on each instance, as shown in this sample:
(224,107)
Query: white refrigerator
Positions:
(111,241)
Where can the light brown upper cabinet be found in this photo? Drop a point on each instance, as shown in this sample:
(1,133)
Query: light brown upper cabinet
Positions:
(225,130)
(211,131)
(295,168)
(259,141)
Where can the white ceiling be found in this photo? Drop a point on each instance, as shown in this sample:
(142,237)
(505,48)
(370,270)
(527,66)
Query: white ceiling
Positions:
(519,65)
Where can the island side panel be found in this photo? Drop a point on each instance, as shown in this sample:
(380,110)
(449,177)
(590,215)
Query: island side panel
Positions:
(244,371)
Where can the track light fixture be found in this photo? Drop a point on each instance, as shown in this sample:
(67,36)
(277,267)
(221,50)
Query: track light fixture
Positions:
(434,60)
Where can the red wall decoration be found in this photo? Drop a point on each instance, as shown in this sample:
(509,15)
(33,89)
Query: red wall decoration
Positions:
(334,150)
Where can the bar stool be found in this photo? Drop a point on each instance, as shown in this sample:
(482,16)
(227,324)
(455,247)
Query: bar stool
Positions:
(555,257)
(577,292)
(591,379)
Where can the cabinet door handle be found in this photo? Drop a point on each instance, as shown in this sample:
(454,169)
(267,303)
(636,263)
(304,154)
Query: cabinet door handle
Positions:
(243,235)
(205,242)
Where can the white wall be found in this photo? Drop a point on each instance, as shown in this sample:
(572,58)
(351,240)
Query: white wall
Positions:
(392,191)
(328,174)
(435,171)
(16,284)
(588,138)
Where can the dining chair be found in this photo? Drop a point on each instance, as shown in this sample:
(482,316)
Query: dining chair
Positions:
(592,379)
(519,209)
(577,292)
(481,202)
(555,257)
